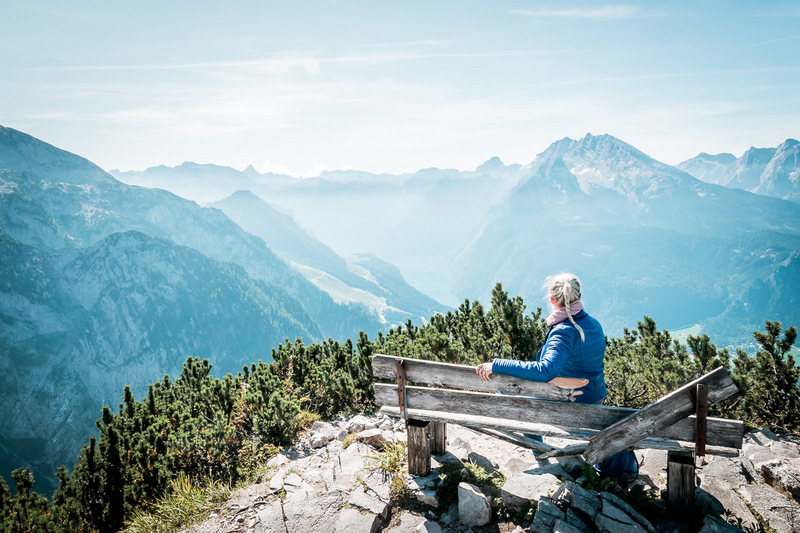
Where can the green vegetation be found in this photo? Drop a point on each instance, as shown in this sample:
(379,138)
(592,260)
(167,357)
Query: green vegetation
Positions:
(217,432)
(185,503)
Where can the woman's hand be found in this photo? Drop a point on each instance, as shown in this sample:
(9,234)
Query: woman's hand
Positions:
(484,370)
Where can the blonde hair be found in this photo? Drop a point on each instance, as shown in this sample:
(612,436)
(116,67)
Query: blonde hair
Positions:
(563,290)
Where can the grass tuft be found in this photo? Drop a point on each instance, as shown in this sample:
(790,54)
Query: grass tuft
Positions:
(186,503)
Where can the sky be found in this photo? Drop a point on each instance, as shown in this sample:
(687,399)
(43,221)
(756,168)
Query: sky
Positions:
(302,87)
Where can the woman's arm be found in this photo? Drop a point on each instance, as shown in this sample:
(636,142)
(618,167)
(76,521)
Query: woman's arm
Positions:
(556,352)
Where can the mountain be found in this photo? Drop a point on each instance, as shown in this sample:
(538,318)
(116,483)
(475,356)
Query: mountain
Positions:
(37,208)
(768,171)
(645,238)
(709,168)
(101,278)
(80,323)
(394,301)
(417,222)
(201,183)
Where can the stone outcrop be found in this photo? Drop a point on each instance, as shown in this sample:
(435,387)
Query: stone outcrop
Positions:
(330,487)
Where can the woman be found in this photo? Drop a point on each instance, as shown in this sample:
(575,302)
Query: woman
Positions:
(574,347)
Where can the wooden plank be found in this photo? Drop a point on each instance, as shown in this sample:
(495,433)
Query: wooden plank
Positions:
(701,420)
(657,416)
(464,377)
(401,389)
(572,418)
(656,442)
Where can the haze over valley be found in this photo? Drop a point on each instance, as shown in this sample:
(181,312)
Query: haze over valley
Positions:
(108,280)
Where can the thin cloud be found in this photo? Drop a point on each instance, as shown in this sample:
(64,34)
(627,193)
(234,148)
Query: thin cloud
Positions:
(769,42)
(310,62)
(604,12)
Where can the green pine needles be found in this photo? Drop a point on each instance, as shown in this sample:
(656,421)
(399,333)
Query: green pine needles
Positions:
(217,432)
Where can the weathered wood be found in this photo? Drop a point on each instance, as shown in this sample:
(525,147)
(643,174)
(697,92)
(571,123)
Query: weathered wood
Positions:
(464,377)
(438,437)
(516,438)
(566,451)
(658,415)
(680,485)
(419,447)
(475,422)
(401,388)
(582,421)
(701,420)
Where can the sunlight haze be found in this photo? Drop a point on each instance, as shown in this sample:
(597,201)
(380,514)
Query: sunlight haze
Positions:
(303,87)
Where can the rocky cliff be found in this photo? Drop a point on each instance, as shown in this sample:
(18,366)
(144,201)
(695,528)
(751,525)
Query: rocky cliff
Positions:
(331,482)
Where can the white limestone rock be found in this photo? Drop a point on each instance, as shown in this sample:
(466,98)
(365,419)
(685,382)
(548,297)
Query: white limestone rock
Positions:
(361,499)
(474,509)
(782,513)
(372,438)
(352,520)
(357,423)
(783,475)
(522,489)
(278,461)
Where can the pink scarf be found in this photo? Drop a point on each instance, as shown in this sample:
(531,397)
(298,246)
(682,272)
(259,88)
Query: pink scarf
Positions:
(560,313)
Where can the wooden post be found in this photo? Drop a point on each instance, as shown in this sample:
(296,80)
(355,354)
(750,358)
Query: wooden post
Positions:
(419,448)
(438,437)
(680,485)
(701,420)
(401,391)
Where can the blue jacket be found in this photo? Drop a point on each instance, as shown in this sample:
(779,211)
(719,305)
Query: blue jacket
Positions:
(564,354)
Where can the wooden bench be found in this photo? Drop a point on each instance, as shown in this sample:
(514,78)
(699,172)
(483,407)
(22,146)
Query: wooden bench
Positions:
(508,408)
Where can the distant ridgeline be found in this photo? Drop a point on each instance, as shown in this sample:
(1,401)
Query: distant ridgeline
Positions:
(214,429)
(106,284)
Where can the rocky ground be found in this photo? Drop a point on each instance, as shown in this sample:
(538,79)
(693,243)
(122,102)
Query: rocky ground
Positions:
(332,481)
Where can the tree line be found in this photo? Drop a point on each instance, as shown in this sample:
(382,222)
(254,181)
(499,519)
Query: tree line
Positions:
(221,429)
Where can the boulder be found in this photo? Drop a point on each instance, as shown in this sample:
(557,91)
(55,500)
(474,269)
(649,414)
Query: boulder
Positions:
(783,475)
(563,496)
(562,526)
(481,461)
(429,526)
(585,503)
(363,500)
(546,515)
(522,489)
(715,496)
(715,524)
(612,519)
(379,483)
(351,520)
(270,519)
(576,522)
(349,463)
(630,511)
(732,470)
(372,438)
(312,511)
(277,461)
(474,509)
(357,423)
(320,439)
(405,522)
(780,512)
